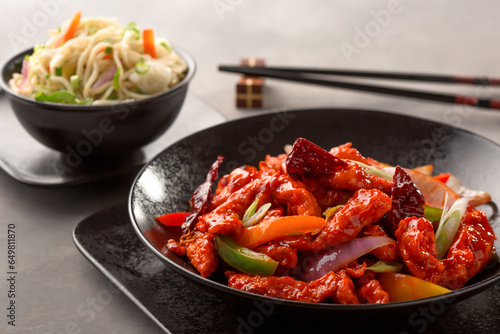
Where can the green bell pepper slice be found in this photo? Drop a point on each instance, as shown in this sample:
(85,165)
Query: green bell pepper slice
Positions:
(244,259)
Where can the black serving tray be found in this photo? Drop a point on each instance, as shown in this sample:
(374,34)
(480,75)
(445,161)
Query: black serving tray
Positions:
(28,161)
(177,305)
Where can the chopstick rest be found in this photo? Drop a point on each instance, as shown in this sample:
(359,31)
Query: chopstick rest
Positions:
(249,89)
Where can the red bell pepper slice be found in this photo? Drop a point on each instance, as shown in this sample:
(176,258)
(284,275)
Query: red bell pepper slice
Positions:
(443,177)
(173,219)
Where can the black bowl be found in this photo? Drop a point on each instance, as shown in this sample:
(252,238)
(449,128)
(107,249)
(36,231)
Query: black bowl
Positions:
(167,182)
(108,131)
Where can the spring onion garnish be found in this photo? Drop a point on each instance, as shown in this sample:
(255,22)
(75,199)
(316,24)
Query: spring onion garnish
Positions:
(331,211)
(38,48)
(133,27)
(386,266)
(75,81)
(62,97)
(449,224)
(85,101)
(252,217)
(116,79)
(374,171)
(250,211)
(166,45)
(141,68)
(59,71)
(108,50)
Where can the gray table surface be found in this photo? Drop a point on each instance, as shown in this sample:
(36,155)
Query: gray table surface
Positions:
(56,285)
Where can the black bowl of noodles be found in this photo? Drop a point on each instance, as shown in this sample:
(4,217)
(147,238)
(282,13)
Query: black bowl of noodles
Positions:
(97,132)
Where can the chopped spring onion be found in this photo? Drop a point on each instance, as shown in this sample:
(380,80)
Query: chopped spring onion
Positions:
(250,211)
(132,26)
(374,171)
(141,68)
(257,216)
(331,211)
(113,96)
(449,224)
(386,266)
(62,97)
(116,79)
(59,71)
(38,48)
(85,101)
(75,81)
(108,50)
(166,45)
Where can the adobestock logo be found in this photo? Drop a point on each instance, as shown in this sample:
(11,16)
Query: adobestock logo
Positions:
(223,6)
(31,25)
(372,29)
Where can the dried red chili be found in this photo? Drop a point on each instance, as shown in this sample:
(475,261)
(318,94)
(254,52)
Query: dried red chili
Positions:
(309,160)
(202,196)
(407,200)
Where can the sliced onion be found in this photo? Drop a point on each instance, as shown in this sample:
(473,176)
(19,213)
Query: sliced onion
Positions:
(434,191)
(476,197)
(24,73)
(425,169)
(107,77)
(315,266)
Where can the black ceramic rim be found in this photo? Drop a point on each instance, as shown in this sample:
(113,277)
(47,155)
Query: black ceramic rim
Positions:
(454,295)
(187,57)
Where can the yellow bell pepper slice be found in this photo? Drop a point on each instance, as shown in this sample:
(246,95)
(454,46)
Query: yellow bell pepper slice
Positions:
(402,287)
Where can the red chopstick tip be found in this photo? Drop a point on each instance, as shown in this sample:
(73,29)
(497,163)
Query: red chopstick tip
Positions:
(468,100)
(495,82)
(468,80)
(495,104)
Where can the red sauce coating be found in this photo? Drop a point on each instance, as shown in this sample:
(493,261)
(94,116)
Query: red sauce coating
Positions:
(287,288)
(384,253)
(203,255)
(364,208)
(321,180)
(468,254)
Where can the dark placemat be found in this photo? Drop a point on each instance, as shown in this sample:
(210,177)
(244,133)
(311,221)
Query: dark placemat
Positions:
(108,241)
(28,161)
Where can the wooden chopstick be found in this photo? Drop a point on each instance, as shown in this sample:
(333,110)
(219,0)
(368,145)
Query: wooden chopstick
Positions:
(485,81)
(298,76)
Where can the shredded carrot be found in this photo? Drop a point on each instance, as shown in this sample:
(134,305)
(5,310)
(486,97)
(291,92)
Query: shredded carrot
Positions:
(107,56)
(72,27)
(148,41)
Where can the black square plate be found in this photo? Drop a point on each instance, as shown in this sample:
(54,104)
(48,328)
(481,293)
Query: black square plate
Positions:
(172,301)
